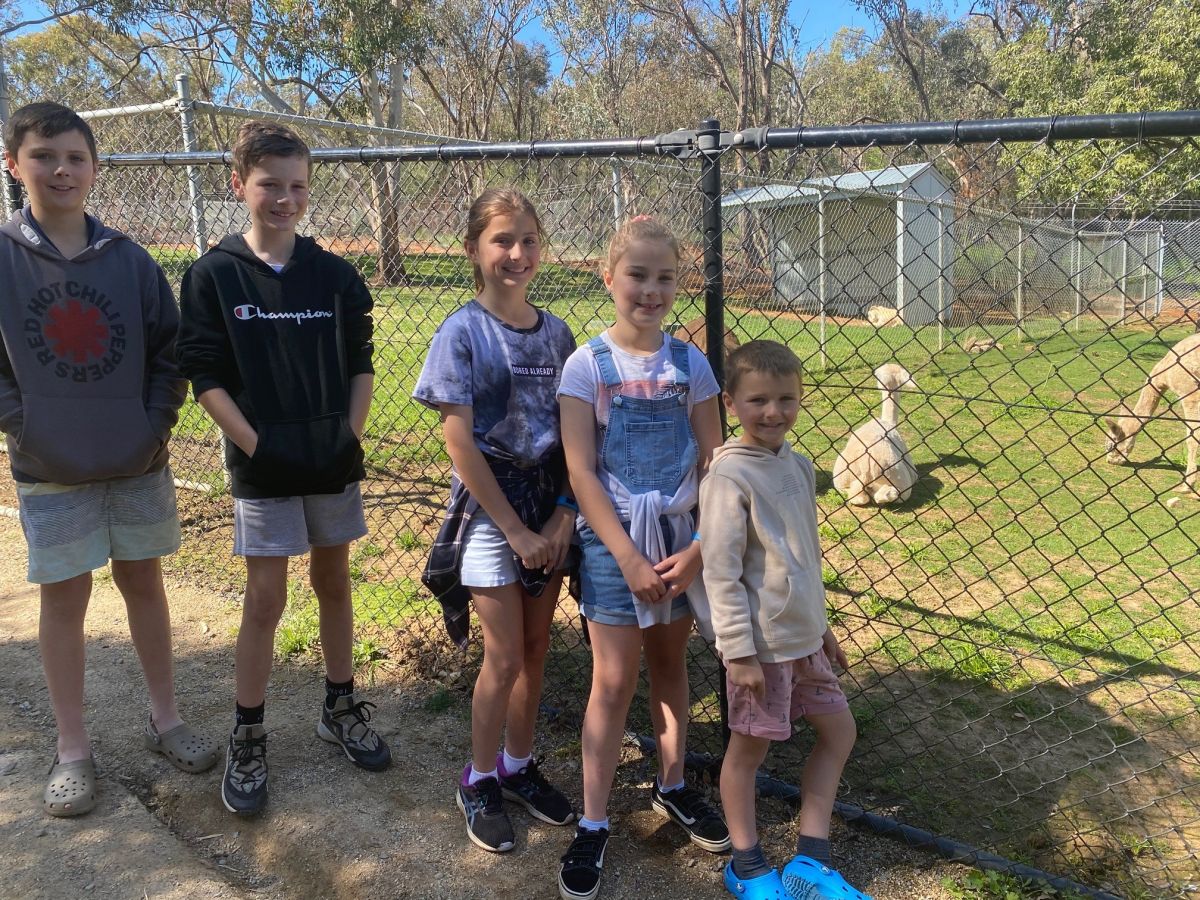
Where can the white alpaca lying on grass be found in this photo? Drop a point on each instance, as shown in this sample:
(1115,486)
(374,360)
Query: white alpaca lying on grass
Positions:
(876,466)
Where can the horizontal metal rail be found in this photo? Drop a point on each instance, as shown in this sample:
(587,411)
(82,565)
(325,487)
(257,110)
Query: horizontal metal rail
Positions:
(1136,126)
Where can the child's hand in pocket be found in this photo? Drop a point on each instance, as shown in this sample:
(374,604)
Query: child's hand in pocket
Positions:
(747,673)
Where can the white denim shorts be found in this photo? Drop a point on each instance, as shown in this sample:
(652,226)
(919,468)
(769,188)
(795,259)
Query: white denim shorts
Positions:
(487,559)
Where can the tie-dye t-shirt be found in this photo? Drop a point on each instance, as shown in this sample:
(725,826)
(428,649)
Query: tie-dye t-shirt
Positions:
(645,377)
(508,376)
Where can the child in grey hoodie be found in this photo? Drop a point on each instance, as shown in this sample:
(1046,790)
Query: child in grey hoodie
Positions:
(89,391)
(762,574)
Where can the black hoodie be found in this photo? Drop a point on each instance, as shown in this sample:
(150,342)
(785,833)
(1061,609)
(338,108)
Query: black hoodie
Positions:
(285,346)
(89,388)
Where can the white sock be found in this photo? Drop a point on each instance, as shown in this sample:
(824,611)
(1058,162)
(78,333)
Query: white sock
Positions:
(589,825)
(514,764)
(475,776)
(666,789)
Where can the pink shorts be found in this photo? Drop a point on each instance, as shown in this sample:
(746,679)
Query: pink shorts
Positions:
(801,687)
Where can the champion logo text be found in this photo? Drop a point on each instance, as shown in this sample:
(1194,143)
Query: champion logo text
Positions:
(250,311)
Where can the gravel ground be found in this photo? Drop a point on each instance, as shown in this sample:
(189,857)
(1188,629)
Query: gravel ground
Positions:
(330,830)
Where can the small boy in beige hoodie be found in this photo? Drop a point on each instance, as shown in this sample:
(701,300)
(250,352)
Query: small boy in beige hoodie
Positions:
(762,574)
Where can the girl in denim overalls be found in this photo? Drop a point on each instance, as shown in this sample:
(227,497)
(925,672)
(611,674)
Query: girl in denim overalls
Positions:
(639,423)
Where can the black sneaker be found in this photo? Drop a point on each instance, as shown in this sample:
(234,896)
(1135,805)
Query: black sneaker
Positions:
(530,788)
(579,875)
(487,822)
(688,809)
(346,725)
(244,787)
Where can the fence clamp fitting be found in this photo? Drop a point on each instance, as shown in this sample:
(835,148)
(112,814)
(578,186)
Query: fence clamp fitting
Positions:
(682,144)
(688,143)
(748,138)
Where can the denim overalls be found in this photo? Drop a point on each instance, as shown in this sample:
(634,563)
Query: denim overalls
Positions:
(649,453)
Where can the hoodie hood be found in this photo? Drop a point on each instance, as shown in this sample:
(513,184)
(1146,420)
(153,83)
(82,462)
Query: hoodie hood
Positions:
(20,228)
(735,448)
(235,245)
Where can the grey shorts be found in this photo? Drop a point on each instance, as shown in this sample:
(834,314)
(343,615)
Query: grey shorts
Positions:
(77,528)
(289,526)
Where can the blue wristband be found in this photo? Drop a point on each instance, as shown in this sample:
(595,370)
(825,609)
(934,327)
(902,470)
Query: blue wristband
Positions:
(695,535)
(564,500)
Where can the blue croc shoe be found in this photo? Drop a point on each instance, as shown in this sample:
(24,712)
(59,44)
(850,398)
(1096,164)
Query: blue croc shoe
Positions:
(807,879)
(764,887)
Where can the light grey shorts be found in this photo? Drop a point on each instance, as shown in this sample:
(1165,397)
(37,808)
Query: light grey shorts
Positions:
(288,526)
(76,528)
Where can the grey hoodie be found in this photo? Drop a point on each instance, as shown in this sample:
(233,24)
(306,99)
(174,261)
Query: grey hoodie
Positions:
(89,388)
(762,559)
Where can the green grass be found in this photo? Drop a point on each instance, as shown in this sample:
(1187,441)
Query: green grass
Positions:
(990,885)
(378,606)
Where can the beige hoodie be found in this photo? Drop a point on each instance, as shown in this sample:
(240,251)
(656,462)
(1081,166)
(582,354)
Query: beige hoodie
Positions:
(762,560)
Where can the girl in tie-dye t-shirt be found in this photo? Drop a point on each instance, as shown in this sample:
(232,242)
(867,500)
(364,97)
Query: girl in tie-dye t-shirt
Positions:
(492,373)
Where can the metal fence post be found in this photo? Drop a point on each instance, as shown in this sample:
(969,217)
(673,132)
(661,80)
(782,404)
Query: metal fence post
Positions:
(822,278)
(1158,269)
(1020,282)
(708,140)
(618,197)
(1123,281)
(190,144)
(709,143)
(9,186)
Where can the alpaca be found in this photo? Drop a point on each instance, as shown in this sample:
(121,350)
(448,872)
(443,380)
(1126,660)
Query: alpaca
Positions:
(883,316)
(876,466)
(1179,372)
(981,344)
(695,333)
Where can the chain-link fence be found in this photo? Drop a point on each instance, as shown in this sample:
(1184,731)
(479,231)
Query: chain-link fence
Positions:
(1023,629)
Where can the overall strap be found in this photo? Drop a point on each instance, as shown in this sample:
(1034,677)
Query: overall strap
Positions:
(603,355)
(679,356)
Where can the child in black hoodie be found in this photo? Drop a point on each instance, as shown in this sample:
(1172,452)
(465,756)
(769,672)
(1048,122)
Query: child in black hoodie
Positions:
(276,339)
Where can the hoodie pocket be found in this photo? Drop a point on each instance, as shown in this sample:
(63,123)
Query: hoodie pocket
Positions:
(773,600)
(70,440)
(303,456)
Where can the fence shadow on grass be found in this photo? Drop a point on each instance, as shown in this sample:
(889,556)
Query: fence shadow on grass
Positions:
(1086,776)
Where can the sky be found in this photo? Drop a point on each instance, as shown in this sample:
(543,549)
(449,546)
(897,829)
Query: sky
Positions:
(819,21)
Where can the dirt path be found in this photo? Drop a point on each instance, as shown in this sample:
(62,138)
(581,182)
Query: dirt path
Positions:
(330,830)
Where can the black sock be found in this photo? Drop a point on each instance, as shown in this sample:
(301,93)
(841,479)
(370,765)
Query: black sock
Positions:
(249,715)
(335,689)
(813,848)
(750,863)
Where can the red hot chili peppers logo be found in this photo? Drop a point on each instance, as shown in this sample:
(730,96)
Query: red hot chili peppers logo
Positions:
(75,330)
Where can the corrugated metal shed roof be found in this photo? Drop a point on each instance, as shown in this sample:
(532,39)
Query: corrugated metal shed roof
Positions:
(891,180)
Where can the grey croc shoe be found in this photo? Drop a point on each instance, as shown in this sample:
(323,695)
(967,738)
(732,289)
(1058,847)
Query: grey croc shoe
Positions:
(185,748)
(71,790)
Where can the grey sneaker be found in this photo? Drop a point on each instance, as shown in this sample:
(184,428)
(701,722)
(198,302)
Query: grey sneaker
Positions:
(346,725)
(244,787)
(488,825)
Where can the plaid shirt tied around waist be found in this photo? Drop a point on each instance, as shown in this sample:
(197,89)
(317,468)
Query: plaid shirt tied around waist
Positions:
(531,490)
